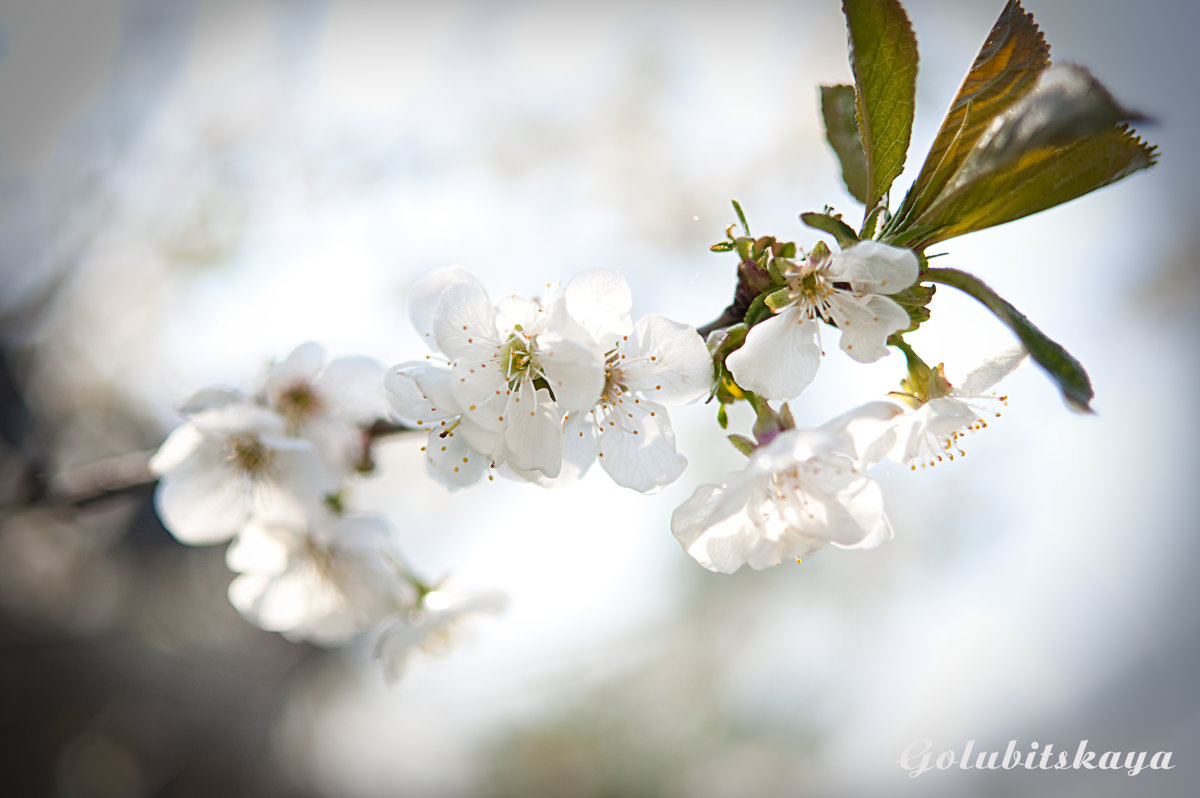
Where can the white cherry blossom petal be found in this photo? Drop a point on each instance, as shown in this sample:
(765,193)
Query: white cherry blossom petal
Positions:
(600,300)
(780,356)
(865,323)
(981,379)
(874,268)
(514,311)
(465,325)
(452,461)
(533,436)
(667,360)
(351,385)
(423,299)
(638,449)
(574,372)
(419,403)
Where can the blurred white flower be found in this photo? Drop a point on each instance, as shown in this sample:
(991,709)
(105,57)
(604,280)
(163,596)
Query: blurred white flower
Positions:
(328,403)
(233,463)
(656,360)
(847,289)
(325,581)
(513,376)
(803,490)
(432,626)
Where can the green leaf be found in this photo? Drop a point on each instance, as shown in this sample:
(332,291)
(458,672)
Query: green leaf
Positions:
(883,58)
(842,233)
(1008,65)
(1039,180)
(1065,370)
(837,109)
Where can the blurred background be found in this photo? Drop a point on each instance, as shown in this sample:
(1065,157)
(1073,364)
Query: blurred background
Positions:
(189,189)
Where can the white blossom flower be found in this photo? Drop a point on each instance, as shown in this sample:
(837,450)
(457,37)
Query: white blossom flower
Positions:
(513,376)
(654,362)
(229,464)
(930,432)
(803,490)
(327,402)
(431,627)
(324,581)
(420,395)
(847,289)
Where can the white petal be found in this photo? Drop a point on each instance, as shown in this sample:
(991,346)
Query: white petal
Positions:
(991,371)
(514,311)
(668,361)
(574,372)
(874,268)
(304,363)
(183,441)
(600,301)
(780,356)
(262,549)
(452,461)
(424,297)
(420,403)
(209,398)
(866,322)
(351,388)
(714,539)
(200,504)
(869,431)
(579,447)
(465,324)
(636,445)
(533,435)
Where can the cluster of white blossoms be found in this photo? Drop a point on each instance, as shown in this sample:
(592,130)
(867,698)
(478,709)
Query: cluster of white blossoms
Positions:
(270,471)
(538,390)
(542,389)
(803,489)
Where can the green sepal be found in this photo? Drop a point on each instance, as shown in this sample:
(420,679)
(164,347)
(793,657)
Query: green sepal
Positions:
(778,299)
(743,444)
(722,246)
(722,415)
(915,300)
(758,310)
(829,223)
(1071,377)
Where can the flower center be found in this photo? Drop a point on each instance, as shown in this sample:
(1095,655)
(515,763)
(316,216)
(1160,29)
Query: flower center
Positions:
(297,402)
(808,286)
(249,456)
(518,355)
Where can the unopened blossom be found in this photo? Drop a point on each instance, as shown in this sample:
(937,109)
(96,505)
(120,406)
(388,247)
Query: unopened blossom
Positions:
(940,413)
(646,366)
(420,395)
(513,375)
(432,626)
(233,463)
(804,490)
(847,289)
(323,581)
